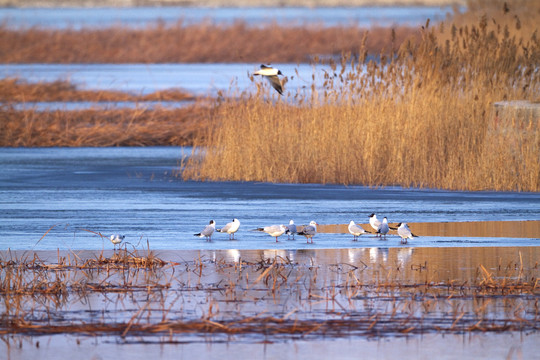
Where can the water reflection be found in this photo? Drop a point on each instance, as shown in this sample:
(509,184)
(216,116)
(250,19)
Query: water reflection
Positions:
(379,292)
(508,229)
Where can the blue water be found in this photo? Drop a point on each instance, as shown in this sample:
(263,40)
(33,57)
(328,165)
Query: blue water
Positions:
(101,105)
(133,191)
(143,16)
(198,79)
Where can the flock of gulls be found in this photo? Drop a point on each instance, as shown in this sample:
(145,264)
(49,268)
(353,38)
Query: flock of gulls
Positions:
(309,231)
(381,228)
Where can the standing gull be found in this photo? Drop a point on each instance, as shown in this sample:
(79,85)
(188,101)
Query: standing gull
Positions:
(230,228)
(291,230)
(405,233)
(117,239)
(309,231)
(374,222)
(274,230)
(207,231)
(356,230)
(271,74)
(384,228)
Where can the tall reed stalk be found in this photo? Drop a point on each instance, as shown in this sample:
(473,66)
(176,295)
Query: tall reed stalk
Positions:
(422,117)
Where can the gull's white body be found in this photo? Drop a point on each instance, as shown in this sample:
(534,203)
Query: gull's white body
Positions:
(356,230)
(404,232)
(271,74)
(117,239)
(274,230)
(291,229)
(309,231)
(230,228)
(374,222)
(384,228)
(208,231)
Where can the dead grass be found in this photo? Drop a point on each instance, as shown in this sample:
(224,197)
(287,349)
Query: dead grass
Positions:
(95,127)
(203,42)
(122,127)
(422,118)
(17,90)
(155,298)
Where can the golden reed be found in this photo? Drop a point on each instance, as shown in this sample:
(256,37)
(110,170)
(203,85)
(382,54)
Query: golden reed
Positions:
(422,117)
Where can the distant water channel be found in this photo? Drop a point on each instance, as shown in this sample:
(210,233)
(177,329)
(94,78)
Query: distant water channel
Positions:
(143,16)
(78,192)
(198,79)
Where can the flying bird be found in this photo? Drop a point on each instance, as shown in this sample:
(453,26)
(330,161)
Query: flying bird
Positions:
(291,230)
(309,231)
(230,228)
(356,230)
(271,74)
(274,230)
(207,231)
(405,233)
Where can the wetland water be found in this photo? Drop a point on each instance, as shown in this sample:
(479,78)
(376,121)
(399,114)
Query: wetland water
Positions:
(436,295)
(134,191)
(198,79)
(461,303)
(144,16)
(339,291)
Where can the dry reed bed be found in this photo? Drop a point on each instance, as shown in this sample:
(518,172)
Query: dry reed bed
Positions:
(274,299)
(203,42)
(17,90)
(97,127)
(423,117)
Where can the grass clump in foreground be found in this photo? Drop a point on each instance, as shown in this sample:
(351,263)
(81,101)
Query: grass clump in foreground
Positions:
(422,117)
(273,299)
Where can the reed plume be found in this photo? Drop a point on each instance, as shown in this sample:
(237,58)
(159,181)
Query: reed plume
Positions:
(421,117)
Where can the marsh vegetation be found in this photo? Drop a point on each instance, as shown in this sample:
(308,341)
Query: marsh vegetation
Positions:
(421,116)
(268,295)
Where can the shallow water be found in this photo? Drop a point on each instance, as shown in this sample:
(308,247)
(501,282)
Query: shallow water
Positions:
(436,286)
(134,191)
(144,16)
(199,79)
(94,105)
(467,346)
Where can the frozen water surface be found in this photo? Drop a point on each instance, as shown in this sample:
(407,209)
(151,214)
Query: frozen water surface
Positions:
(134,191)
